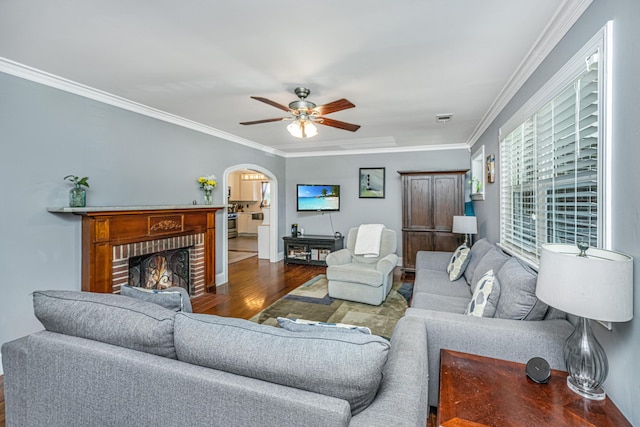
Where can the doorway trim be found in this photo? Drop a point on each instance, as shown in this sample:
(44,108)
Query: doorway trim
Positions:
(273,224)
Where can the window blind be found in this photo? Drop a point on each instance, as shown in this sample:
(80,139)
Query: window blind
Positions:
(550,185)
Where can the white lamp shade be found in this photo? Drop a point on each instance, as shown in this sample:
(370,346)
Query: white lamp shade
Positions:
(296,128)
(465,225)
(598,286)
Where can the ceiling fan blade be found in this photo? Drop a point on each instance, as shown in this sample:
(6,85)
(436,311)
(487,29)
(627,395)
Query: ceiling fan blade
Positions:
(270,102)
(338,124)
(332,107)
(279,119)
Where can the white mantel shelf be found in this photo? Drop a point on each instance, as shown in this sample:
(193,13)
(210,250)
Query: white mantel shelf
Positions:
(92,209)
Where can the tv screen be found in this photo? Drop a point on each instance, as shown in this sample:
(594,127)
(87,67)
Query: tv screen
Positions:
(312,197)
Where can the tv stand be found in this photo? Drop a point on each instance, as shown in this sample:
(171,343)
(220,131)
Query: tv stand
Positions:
(310,249)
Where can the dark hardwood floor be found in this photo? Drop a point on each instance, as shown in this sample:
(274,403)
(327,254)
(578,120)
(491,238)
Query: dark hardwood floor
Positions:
(254,284)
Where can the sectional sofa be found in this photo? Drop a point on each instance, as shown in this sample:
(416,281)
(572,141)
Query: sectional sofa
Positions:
(112,360)
(512,323)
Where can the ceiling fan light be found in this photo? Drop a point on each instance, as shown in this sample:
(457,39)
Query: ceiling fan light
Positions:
(302,129)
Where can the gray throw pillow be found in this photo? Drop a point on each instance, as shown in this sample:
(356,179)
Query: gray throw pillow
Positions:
(107,318)
(492,260)
(174,298)
(302,325)
(518,294)
(345,366)
(478,250)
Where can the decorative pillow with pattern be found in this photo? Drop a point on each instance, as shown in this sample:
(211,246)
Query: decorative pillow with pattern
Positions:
(485,297)
(302,325)
(459,261)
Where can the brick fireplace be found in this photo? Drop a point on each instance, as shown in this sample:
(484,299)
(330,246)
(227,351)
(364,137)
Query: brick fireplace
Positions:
(111,236)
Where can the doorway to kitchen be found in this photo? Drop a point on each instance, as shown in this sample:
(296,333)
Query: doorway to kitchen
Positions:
(250,232)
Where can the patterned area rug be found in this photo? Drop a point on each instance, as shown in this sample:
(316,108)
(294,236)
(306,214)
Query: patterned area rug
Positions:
(310,301)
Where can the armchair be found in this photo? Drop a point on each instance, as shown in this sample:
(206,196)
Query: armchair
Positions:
(359,278)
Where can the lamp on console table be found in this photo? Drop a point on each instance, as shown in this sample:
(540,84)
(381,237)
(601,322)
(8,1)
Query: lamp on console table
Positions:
(592,284)
(465,225)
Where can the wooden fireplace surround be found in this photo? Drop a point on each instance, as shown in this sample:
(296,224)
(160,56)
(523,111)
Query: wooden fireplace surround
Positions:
(103,228)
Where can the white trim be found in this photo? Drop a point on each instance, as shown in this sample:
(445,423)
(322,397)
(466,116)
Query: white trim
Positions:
(574,67)
(42,77)
(463,146)
(562,21)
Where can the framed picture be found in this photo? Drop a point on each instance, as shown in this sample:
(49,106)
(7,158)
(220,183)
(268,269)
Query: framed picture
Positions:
(371,183)
(491,168)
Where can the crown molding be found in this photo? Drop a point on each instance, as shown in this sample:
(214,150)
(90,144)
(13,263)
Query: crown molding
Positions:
(462,146)
(42,77)
(564,18)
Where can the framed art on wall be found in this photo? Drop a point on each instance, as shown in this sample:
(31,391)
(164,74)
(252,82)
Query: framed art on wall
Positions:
(491,168)
(371,183)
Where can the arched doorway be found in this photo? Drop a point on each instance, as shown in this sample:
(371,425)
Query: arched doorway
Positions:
(273,213)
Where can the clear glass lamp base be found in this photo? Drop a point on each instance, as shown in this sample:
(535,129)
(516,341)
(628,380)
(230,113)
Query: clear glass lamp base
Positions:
(596,394)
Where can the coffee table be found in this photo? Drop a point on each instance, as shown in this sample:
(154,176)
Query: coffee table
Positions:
(481,391)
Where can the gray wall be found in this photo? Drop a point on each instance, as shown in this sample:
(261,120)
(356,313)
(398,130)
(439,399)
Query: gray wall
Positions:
(623,343)
(344,171)
(130,159)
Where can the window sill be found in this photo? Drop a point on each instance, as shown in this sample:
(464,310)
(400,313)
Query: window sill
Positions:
(477,196)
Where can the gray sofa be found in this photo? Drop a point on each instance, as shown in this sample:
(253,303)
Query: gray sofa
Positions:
(111,360)
(522,326)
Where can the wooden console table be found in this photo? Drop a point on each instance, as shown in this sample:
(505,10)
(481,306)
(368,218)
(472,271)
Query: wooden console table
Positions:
(480,391)
(310,249)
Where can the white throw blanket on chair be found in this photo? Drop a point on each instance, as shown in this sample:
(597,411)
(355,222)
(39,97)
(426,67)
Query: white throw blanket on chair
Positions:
(368,240)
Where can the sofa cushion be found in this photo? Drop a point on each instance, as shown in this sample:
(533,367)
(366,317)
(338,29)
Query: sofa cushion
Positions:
(518,294)
(302,325)
(485,297)
(458,263)
(109,318)
(478,250)
(174,298)
(440,303)
(492,260)
(345,366)
(437,282)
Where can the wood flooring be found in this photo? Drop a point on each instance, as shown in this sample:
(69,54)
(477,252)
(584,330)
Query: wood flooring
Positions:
(254,284)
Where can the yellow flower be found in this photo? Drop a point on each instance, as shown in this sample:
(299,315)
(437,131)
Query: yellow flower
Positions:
(202,179)
(211,183)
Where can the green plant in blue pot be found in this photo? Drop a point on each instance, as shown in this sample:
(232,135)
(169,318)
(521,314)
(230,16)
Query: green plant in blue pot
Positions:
(77,195)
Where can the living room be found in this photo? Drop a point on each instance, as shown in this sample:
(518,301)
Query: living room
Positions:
(49,130)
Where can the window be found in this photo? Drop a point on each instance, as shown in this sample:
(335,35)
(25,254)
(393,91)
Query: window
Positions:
(553,159)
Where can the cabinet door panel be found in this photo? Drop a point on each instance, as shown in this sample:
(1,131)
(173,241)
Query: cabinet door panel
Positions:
(446,242)
(412,242)
(419,197)
(446,201)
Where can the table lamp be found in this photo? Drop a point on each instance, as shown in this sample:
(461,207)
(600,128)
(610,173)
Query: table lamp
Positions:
(465,225)
(589,283)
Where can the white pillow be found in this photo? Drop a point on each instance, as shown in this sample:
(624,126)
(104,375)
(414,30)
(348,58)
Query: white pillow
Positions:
(302,325)
(485,297)
(458,263)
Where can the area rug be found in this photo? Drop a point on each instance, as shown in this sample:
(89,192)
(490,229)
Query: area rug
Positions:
(311,301)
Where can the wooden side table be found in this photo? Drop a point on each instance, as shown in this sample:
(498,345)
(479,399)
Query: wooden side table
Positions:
(481,391)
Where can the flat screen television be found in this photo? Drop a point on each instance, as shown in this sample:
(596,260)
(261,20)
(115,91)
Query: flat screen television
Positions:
(318,198)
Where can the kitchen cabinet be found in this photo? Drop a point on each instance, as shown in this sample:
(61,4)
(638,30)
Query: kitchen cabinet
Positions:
(246,224)
(250,190)
(234,186)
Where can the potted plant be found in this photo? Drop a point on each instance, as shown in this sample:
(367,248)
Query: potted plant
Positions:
(77,195)
(476,189)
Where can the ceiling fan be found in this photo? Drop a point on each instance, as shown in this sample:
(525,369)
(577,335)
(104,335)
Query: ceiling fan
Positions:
(305,113)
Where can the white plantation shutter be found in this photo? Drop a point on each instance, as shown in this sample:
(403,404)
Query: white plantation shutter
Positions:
(550,177)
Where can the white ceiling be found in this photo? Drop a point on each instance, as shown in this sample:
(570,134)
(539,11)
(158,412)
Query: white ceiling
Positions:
(399,62)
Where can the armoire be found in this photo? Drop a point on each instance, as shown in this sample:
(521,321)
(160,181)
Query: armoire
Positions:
(429,202)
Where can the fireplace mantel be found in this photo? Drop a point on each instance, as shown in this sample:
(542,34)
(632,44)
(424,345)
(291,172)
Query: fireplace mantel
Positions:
(107,227)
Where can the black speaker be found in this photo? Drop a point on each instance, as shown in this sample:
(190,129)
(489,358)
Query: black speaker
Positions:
(538,370)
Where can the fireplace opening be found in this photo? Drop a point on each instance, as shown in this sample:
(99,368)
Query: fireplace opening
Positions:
(161,270)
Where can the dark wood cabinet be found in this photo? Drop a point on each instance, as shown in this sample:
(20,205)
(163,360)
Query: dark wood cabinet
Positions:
(429,202)
(310,249)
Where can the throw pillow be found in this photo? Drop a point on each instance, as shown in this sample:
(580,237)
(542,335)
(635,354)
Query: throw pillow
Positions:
(485,297)
(302,325)
(458,262)
(518,300)
(478,250)
(107,318)
(345,366)
(174,298)
(492,260)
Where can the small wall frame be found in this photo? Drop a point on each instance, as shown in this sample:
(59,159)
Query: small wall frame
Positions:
(371,183)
